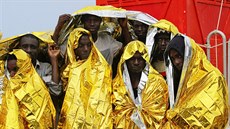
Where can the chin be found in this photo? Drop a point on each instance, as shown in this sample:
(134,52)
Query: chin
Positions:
(136,71)
(93,31)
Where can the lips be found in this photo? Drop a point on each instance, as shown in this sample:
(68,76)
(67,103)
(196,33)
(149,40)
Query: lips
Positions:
(85,54)
(92,29)
(139,33)
(137,69)
(163,48)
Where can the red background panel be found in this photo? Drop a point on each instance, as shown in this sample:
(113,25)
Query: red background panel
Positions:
(195,18)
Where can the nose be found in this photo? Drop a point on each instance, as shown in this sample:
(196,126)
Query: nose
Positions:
(28,49)
(91,22)
(139,28)
(136,62)
(164,42)
(177,61)
(86,48)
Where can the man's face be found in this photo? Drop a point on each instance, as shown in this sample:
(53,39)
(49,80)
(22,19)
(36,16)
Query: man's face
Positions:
(136,64)
(140,29)
(84,47)
(12,67)
(92,23)
(162,41)
(30,46)
(176,59)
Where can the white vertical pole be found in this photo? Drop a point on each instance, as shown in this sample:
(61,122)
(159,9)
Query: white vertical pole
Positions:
(224,48)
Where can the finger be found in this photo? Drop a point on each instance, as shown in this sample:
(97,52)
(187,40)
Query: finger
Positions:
(54,46)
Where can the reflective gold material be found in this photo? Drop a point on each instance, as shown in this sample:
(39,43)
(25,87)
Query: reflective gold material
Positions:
(100,11)
(12,42)
(202,97)
(163,25)
(26,102)
(166,25)
(111,26)
(0,35)
(87,103)
(154,100)
(103,11)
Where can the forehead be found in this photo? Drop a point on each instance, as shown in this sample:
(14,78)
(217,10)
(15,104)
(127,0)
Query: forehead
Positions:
(29,41)
(138,23)
(163,35)
(11,63)
(88,16)
(173,52)
(137,55)
(84,39)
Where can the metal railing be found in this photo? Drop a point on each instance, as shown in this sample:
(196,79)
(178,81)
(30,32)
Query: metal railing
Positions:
(226,57)
(228,79)
(224,49)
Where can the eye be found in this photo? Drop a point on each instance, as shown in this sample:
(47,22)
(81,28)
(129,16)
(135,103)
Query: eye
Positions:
(23,46)
(179,56)
(15,69)
(80,45)
(89,44)
(33,47)
(87,20)
(160,40)
(141,59)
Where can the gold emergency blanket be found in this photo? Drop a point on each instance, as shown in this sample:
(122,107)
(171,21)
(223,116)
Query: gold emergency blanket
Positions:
(12,42)
(26,102)
(154,95)
(109,15)
(102,11)
(202,97)
(164,25)
(0,35)
(87,103)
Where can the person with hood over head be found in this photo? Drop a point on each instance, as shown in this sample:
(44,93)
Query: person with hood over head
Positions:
(87,80)
(44,54)
(25,100)
(159,36)
(140,94)
(197,90)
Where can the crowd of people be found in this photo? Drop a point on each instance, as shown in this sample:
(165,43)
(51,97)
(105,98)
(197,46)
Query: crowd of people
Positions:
(105,67)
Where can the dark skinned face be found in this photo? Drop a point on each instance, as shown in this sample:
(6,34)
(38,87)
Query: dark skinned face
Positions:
(162,42)
(92,23)
(140,29)
(136,64)
(84,47)
(176,59)
(30,46)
